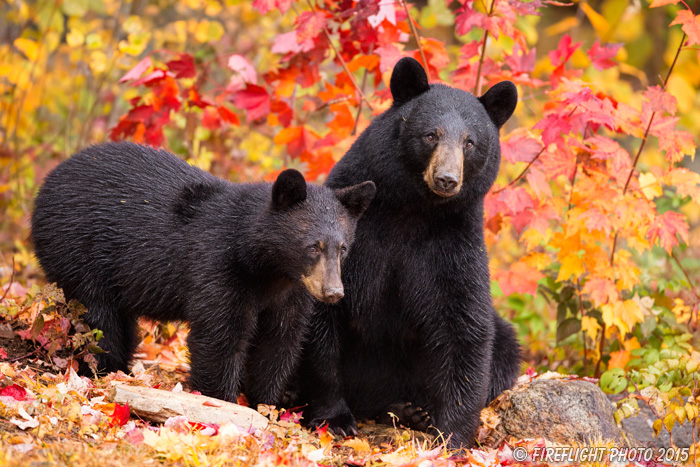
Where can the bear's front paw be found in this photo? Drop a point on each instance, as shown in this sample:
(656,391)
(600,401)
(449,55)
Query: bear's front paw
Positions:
(343,425)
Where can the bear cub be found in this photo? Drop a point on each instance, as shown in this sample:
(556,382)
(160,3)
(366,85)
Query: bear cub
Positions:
(417,322)
(133,231)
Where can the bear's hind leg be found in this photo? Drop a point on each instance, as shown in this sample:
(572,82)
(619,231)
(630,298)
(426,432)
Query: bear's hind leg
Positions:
(505,361)
(119,341)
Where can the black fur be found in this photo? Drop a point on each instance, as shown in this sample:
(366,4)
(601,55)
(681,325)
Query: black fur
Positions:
(132,231)
(417,322)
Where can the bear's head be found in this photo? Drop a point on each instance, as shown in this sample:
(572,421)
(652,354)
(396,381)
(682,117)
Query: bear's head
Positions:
(449,137)
(314,228)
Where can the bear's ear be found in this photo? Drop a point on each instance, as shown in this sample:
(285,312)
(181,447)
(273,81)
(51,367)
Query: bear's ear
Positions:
(288,190)
(356,198)
(407,80)
(500,102)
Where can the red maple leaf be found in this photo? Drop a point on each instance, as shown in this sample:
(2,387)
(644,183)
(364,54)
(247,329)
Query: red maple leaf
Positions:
(228,116)
(665,227)
(121,415)
(553,126)
(309,25)
(601,56)
(265,6)
(520,147)
(138,70)
(183,67)
(3,354)
(18,393)
(564,51)
(255,100)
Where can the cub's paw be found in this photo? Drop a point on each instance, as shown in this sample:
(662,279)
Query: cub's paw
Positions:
(343,425)
(408,415)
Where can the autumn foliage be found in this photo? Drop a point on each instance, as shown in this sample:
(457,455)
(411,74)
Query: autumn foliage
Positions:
(593,222)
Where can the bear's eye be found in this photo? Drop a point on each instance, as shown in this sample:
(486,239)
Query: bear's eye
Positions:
(469,144)
(313,249)
(431,137)
(343,249)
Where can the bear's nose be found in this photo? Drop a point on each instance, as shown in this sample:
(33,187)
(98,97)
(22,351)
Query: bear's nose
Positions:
(332,295)
(446,182)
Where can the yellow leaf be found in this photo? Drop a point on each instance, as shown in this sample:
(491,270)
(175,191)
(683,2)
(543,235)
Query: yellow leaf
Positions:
(630,313)
(360,446)
(98,61)
(650,186)
(679,87)
(571,265)
(590,326)
(75,38)
(29,47)
(562,26)
(209,31)
(600,24)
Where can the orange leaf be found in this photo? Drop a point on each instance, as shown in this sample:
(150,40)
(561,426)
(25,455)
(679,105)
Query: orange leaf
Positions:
(690,25)
(519,278)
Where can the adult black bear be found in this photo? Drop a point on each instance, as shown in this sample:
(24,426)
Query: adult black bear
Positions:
(132,231)
(417,322)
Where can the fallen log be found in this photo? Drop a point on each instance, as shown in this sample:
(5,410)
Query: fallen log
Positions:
(158,405)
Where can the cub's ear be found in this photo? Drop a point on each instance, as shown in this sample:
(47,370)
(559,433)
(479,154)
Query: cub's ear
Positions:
(356,198)
(408,80)
(288,190)
(500,102)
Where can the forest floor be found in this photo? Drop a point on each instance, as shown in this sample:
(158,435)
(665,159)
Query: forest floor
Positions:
(51,416)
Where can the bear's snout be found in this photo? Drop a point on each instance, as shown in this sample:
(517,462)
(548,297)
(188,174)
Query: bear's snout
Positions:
(332,295)
(446,183)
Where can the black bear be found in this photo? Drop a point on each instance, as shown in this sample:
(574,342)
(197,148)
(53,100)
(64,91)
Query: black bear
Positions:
(133,231)
(417,322)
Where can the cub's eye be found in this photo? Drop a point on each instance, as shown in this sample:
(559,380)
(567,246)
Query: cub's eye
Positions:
(469,144)
(343,249)
(313,249)
(431,137)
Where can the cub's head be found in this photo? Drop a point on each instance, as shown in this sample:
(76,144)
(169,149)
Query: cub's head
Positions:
(449,137)
(315,226)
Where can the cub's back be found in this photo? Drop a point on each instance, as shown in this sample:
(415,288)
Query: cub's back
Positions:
(103,212)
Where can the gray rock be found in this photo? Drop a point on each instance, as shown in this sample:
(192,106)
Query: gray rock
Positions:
(561,410)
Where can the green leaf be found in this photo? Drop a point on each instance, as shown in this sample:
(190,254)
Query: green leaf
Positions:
(567,328)
(613,381)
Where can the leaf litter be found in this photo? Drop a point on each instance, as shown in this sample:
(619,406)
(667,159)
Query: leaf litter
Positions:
(50,415)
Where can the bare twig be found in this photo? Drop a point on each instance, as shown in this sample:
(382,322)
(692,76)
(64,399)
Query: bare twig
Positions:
(646,135)
(414,31)
(477,85)
(342,62)
(12,279)
(359,106)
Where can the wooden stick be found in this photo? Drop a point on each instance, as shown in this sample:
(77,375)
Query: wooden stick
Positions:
(158,405)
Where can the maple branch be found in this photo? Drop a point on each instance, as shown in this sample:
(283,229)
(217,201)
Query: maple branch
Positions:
(583,332)
(477,85)
(644,140)
(342,61)
(690,283)
(520,175)
(537,156)
(414,31)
